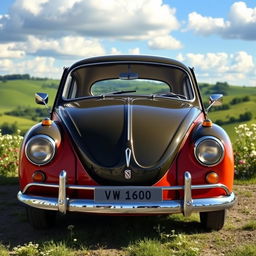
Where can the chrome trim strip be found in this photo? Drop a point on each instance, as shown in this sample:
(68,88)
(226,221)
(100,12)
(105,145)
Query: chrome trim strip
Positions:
(129,121)
(186,206)
(164,207)
(82,187)
(188,202)
(62,199)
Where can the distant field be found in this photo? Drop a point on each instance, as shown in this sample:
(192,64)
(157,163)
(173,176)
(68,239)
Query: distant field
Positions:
(21,92)
(17,93)
(235,111)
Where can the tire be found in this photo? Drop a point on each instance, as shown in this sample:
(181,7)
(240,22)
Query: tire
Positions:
(213,220)
(41,219)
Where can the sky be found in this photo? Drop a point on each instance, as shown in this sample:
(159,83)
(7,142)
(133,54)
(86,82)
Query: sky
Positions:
(216,37)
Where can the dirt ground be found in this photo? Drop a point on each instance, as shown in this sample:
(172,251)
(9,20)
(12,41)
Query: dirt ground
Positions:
(238,230)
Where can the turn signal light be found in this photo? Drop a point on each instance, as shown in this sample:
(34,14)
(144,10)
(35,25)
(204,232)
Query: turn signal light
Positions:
(47,122)
(38,176)
(212,178)
(207,123)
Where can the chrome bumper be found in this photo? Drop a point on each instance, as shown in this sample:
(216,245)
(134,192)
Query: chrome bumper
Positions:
(186,206)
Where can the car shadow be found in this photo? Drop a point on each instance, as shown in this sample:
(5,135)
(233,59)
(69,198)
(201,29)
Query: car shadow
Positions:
(90,231)
(115,232)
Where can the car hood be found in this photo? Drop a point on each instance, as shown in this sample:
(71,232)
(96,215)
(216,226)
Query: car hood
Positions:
(141,135)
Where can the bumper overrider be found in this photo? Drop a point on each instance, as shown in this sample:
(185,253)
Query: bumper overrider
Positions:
(186,206)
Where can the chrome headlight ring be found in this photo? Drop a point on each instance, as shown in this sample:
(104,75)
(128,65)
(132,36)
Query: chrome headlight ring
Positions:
(209,151)
(40,149)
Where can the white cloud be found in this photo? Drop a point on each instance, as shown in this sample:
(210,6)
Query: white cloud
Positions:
(6,65)
(65,46)
(39,67)
(33,7)
(115,19)
(206,25)
(241,14)
(164,42)
(134,51)
(242,62)
(115,51)
(8,50)
(241,23)
(237,68)
(210,61)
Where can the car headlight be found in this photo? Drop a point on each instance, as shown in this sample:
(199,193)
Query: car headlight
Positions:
(40,149)
(209,150)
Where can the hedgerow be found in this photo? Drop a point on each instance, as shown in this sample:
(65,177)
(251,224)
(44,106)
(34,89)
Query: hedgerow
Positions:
(9,154)
(245,151)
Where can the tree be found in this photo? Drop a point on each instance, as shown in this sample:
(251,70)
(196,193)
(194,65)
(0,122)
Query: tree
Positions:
(7,128)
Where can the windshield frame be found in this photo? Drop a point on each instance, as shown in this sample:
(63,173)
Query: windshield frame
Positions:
(188,75)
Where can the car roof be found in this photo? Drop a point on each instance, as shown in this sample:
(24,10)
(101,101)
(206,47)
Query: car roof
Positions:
(129,58)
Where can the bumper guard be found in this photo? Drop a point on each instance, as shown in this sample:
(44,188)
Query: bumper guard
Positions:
(186,206)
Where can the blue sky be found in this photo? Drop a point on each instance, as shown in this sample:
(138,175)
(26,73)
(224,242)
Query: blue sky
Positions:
(217,38)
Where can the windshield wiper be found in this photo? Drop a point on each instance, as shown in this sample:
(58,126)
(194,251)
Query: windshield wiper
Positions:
(171,94)
(120,92)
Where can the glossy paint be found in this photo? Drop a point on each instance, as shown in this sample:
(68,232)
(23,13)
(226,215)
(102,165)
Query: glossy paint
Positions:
(157,127)
(92,137)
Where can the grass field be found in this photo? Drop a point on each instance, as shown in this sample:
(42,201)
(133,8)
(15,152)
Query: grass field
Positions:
(21,92)
(235,111)
(76,234)
(17,93)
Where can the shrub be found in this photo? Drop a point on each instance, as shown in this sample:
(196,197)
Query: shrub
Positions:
(3,250)
(56,249)
(29,249)
(239,100)
(9,128)
(9,153)
(35,114)
(246,116)
(245,151)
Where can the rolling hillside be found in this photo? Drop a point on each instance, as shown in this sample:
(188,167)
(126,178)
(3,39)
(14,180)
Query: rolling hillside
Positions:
(17,93)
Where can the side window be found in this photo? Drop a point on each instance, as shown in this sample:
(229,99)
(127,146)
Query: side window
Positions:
(187,88)
(70,90)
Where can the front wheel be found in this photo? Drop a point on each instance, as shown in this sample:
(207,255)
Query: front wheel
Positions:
(213,220)
(40,219)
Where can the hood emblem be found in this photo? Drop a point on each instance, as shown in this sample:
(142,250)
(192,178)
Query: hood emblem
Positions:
(128,174)
(128,153)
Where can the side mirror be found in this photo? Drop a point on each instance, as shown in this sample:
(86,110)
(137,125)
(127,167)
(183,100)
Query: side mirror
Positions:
(215,100)
(41,98)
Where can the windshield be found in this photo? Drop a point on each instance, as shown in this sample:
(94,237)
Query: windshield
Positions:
(138,86)
(132,78)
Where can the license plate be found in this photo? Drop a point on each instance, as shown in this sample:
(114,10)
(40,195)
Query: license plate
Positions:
(127,195)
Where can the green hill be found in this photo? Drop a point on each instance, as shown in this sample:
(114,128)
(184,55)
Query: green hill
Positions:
(20,93)
(235,110)
(17,93)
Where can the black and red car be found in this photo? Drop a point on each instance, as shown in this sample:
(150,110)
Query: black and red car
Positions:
(127,135)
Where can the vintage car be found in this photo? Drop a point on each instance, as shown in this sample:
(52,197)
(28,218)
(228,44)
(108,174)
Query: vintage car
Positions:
(127,135)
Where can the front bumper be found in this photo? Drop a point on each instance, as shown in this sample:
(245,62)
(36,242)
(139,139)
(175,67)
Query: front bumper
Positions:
(186,206)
